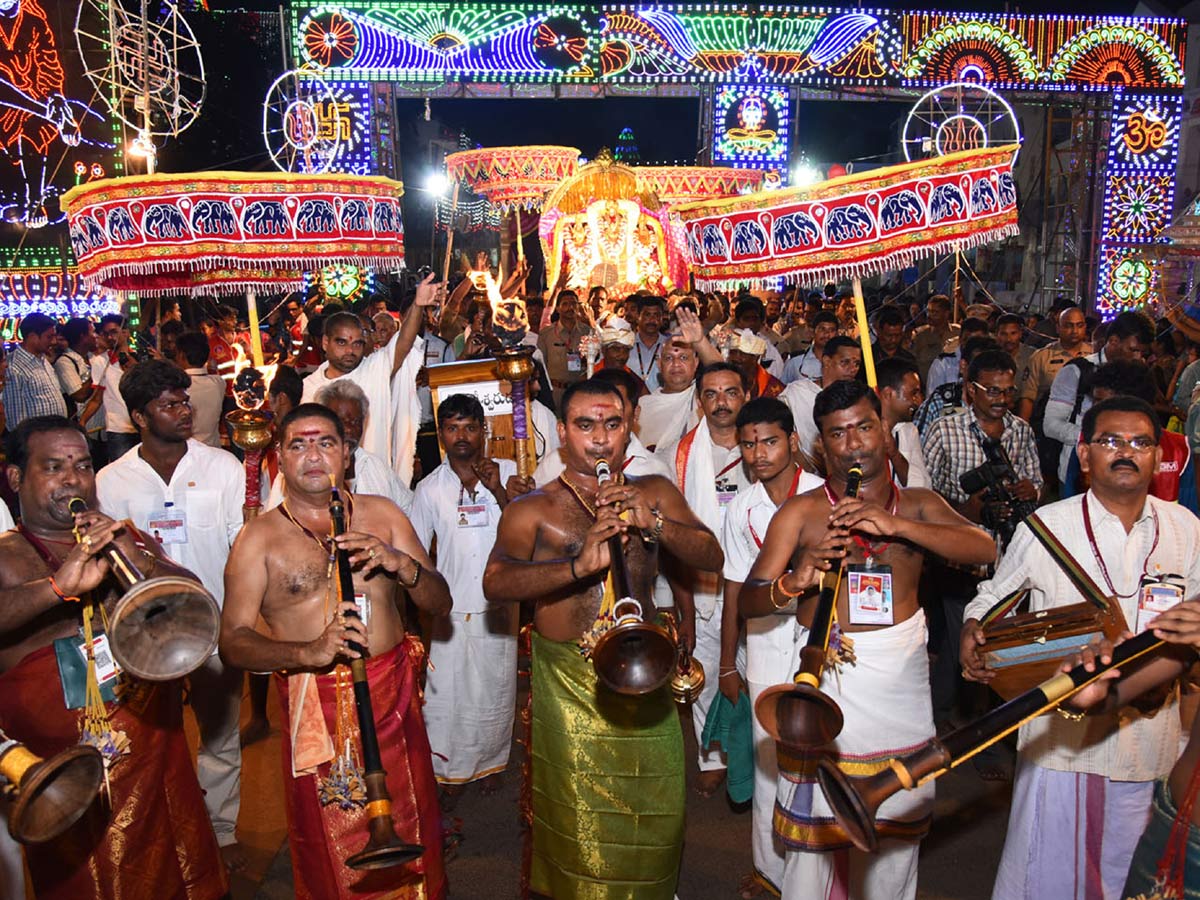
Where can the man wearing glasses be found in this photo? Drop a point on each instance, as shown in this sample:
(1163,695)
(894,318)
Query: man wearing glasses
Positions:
(1085,781)
(954,445)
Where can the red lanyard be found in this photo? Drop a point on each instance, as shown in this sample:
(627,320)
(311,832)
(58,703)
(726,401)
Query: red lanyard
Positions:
(869,548)
(1091,536)
(791,493)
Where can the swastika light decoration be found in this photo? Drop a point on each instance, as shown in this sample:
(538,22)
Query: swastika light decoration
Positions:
(222,232)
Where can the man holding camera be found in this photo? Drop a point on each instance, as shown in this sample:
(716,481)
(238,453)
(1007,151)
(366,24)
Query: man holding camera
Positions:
(966,455)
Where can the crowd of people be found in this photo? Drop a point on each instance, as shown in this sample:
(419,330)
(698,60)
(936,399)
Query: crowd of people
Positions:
(751,465)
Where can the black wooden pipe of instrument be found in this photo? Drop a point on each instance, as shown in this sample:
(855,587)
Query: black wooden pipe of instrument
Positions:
(799,714)
(855,800)
(384,847)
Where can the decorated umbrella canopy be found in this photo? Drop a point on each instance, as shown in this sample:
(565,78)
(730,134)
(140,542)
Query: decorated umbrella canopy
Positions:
(511,178)
(855,225)
(224,232)
(683,184)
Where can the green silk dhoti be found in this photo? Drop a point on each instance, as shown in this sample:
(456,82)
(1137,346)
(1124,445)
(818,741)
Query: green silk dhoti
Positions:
(608,784)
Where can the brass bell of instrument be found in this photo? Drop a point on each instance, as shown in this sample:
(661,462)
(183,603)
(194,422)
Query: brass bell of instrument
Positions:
(688,679)
(48,795)
(164,628)
(634,657)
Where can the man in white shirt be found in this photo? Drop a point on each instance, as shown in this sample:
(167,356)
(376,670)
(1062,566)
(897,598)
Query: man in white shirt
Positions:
(1129,336)
(437,351)
(188,496)
(768,445)
(75,378)
(1083,787)
(841,359)
(368,473)
(470,694)
(706,465)
(119,433)
(900,395)
(207,392)
(344,342)
(670,412)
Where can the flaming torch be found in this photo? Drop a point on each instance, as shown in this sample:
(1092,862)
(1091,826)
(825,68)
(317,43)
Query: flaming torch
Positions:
(250,424)
(514,364)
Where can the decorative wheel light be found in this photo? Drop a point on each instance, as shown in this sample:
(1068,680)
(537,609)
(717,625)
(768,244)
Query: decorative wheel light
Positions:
(958,117)
(301,123)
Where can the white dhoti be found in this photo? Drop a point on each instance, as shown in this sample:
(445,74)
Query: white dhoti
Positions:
(708,652)
(471,693)
(886,705)
(1071,835)
(770,643)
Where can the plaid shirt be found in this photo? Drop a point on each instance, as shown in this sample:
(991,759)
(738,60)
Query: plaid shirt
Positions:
(952,447)
(32,389)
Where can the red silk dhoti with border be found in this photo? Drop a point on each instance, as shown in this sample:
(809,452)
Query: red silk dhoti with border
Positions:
(322,837)
(154,841)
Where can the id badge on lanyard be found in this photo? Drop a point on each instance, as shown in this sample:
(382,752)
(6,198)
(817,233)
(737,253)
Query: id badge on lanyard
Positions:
(168,524)
(870,595)
(1155,597)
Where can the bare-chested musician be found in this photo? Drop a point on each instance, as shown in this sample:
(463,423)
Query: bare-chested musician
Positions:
(281,568)
(882,681)
(593,748)
(155,803)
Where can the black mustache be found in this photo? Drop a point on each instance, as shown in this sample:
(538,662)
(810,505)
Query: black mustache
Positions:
(1129,463)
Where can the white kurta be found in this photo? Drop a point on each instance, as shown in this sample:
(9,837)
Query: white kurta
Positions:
(665,418)
(770,645)
(705,467)
(470,694)
(800,396)
(205,493)
(390,431)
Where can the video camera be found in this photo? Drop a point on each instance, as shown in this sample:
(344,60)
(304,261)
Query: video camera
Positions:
(1002,512)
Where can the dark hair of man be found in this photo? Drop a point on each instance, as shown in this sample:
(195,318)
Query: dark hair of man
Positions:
(589,387)
(940,300)
(626,381)
(748,305)
(1128,324)
(834,344)
(461,406)
(342,320)
(174,327)
(73,329)
(567,294)
(976,345)
(688,305)
(1010,319)
(146,382)
(194,347)
(36,323)
(890,315)
(287,381)
(890,373)
(825,317)
(1120,403)
(1126,377)
(16,442)
(311,411)
(641,303)
(766,411)
(973,325)
(990,361)
(716,367)
(843,395)
(110,319)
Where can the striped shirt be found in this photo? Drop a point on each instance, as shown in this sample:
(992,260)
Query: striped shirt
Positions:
(32,389)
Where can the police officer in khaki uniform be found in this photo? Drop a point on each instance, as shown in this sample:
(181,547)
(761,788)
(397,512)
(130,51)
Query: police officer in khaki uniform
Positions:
(1044,364)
